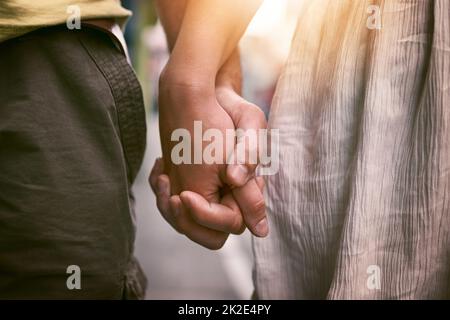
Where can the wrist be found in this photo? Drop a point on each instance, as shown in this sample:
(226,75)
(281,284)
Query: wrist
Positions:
(183,84)
(184,71)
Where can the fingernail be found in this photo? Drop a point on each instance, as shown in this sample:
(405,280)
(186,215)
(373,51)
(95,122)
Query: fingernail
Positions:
(262,228)
(239,173)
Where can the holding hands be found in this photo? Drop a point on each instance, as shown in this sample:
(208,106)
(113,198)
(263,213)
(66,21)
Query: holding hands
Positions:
(207,201)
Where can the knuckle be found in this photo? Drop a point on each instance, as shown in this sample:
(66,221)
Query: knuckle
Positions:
(179,224)
(258,207)
(218,243)
(259,115)
(150,179)
(241,230)
(238,226)
(152,182)
(161,208)
(172,221)
(238,112)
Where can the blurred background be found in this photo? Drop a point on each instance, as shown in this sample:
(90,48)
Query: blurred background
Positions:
(175,267)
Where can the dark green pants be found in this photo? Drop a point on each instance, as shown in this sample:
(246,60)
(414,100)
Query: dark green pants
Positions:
(72,137)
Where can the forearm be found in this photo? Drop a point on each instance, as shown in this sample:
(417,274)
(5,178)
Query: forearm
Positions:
(171,13)
(209,33)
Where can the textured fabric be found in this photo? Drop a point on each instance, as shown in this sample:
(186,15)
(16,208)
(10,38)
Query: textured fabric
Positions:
(18,17)
(364,119)
(72,137)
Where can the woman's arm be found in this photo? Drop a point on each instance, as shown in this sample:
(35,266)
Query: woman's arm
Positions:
(171,14)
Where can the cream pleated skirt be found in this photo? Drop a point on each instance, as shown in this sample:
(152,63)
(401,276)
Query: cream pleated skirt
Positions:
(360,208)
